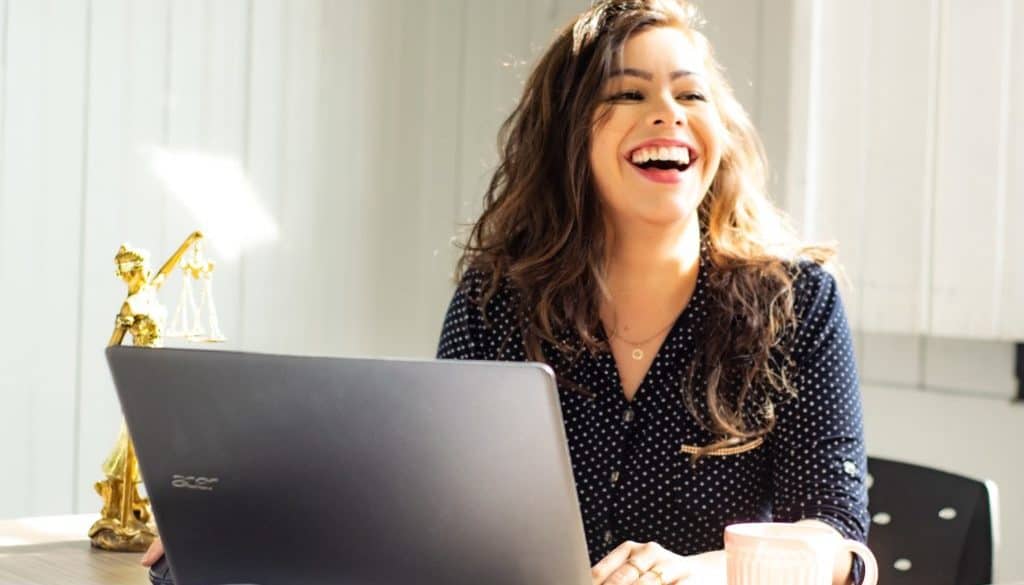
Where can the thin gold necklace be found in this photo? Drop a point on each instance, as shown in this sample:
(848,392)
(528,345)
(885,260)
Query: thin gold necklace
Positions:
(638,352)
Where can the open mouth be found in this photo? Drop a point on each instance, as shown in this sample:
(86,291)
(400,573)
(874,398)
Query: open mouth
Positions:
(663,163)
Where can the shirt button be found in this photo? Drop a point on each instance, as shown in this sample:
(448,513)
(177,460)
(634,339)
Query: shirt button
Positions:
(628,415)
(850,468)
(615,476)
(608,537)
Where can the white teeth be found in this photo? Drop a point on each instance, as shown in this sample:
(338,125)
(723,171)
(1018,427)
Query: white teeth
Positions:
(673,153)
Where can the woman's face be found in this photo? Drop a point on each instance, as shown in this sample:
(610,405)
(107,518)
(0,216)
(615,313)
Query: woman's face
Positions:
(658,148)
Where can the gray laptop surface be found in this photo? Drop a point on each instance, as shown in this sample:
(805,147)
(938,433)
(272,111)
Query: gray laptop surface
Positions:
(285,470)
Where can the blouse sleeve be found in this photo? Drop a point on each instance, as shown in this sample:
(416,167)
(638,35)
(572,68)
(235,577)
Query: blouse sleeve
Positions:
(460,332)
(819,462)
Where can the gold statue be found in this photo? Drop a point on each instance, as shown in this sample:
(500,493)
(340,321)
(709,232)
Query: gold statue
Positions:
(126,522)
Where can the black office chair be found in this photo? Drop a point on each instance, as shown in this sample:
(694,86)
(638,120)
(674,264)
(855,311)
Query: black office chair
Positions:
(929,527)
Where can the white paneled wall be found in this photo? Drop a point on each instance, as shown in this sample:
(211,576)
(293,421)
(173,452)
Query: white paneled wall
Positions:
(751,39)
(971,171)
(1011,297)
(899,114)
(904,147)
(281,298)
(423,98)
(365,131)
(40,242)
(908,136)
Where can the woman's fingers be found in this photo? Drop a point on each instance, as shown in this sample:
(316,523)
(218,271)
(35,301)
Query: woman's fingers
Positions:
(153,554)
(633,563)
(652,578)
(645,556)
(652,561)
(624,575)
(604,569)
(667,571)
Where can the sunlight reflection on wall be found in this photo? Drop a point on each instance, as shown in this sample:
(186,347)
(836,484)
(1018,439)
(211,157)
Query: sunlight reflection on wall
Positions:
(217,193)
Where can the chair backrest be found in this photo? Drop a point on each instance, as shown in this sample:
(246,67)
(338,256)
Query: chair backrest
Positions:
(930,527)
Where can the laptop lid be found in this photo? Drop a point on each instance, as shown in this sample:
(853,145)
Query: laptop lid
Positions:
(288,470)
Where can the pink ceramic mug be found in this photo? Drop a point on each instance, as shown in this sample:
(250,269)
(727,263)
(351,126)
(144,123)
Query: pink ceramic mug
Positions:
(788,554)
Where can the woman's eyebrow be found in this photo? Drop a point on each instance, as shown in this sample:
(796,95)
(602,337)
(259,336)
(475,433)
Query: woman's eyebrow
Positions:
(646,74)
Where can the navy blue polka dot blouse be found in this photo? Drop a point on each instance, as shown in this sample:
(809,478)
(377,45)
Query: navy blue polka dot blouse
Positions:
(634,476)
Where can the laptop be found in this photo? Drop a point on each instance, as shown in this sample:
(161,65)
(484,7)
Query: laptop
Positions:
(289,470)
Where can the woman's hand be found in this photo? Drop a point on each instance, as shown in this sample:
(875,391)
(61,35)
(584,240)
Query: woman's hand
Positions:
(156,550)
(650,564)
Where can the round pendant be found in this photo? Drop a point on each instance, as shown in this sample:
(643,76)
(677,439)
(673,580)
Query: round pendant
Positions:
(638,354)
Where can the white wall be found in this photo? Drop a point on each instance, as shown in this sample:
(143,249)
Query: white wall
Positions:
(364,131)
(908,152)
(40,249)
(90,91)
(413,96)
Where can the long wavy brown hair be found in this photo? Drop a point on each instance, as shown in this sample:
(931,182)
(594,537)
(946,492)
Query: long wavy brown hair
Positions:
(541,230)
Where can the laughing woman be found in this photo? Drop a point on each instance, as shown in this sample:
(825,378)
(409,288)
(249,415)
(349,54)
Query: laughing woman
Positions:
(705,367)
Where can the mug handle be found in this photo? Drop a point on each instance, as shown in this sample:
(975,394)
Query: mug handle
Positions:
(870,564)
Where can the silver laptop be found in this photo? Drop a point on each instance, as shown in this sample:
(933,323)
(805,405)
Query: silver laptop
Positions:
(284,470)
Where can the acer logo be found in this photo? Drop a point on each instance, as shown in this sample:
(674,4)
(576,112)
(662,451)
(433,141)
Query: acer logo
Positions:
(192,482)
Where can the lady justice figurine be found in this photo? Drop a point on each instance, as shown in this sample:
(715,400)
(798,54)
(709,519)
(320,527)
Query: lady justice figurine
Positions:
(126,522)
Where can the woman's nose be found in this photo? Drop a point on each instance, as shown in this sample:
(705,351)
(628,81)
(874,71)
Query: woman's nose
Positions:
(667,113)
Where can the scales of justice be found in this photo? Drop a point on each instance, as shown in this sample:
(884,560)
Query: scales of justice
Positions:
(126,522)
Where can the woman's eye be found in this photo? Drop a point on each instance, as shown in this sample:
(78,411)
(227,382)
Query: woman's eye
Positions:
(692,96)
(626,95)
